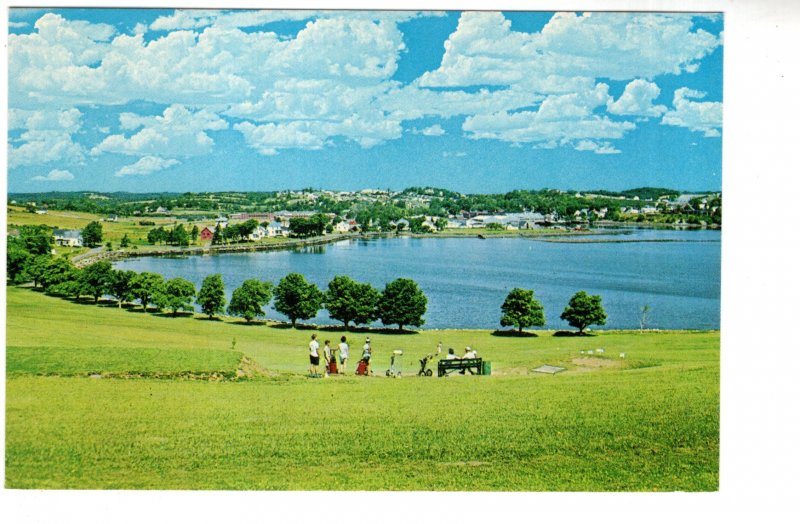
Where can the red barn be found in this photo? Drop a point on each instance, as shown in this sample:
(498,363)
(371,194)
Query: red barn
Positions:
(207,233)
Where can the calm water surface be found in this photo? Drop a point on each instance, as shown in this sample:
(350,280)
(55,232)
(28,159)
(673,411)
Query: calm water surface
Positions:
(467,279)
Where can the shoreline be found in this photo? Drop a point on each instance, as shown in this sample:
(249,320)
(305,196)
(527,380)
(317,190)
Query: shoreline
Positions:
(615,228)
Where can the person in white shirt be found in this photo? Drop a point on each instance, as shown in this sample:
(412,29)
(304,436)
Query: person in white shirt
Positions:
(469,353)
(451,354)
(313,350)
(344,354)
(367,356)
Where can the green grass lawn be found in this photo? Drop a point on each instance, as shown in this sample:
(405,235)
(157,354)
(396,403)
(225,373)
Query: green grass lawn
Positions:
(646,422)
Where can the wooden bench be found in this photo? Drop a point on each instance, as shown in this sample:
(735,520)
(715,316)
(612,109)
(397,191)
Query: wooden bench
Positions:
(462,364)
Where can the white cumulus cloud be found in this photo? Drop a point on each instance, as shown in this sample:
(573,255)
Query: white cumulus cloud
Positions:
(485,50)
(705,117)
(434,130)
(334,80)
(178,132)
(146,165)
(56,175)
(47,137)
(637,100)
(602,148)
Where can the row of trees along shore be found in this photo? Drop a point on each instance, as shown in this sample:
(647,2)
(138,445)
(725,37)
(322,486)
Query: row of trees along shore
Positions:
(401,302)
(351,302)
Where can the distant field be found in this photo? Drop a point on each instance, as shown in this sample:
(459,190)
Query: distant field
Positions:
(113,231)
(647,422)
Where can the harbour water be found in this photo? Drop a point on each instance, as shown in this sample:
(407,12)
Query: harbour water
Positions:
(675,273)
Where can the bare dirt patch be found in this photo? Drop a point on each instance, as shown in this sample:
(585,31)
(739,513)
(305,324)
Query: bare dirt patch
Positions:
(589,364)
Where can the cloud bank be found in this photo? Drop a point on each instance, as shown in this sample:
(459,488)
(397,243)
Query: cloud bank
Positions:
(335,80)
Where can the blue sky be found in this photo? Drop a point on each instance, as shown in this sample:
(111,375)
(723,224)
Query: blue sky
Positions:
(165,100)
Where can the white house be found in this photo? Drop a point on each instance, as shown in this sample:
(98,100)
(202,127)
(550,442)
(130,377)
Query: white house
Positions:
(258,233)
(346,226)
(68,237)
(276,229)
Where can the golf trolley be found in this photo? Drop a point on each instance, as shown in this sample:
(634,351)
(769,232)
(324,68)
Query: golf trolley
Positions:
(423,366)
(394,366)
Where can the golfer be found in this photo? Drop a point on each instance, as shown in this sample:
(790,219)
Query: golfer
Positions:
(313,351)
(344,354)
(367,356)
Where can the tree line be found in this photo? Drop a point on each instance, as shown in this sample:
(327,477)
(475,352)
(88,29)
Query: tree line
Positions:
(401,302)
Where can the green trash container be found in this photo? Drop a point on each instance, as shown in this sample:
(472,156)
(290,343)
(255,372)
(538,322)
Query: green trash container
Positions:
(486,367)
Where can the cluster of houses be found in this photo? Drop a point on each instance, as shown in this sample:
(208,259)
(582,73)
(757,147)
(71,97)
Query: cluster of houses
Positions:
(277,224)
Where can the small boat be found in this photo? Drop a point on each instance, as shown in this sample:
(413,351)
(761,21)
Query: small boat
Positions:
(482,237)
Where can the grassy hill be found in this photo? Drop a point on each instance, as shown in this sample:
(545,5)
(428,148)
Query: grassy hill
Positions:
(101,397)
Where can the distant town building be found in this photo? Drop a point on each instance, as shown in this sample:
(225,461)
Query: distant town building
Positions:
(264,217)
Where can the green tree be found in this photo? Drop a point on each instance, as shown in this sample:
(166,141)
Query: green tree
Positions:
(121,285)
(308,227)
(57,271)
(71,287)
(402,303)
(441,223)
(219,236)
(36,240)
(211,296)
(194,233)
(17,259)
(415,225)
(520,309)
(145,286)
(248,300)
(351,301)
(35,269)
(584,310)
(156,235)
(96,279)
(296,298)
(92,234)
(177,294)
(178,236)
(125,242)
(247,228)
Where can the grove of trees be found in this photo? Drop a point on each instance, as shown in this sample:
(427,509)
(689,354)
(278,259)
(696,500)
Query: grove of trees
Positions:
(351,301)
